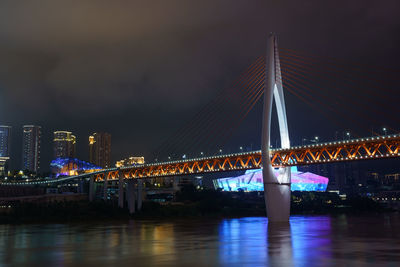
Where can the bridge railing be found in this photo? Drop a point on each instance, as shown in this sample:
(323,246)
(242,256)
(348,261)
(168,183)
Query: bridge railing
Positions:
(347,150)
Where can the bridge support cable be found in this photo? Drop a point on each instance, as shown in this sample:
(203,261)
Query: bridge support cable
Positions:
(218,119)
(294,76)
(312,104)
(208,108)
(356,91)
(217,106)
(221,131)
(212,131)
(228,133)
(296,85)
(363,89)
(358,69)
(331,104)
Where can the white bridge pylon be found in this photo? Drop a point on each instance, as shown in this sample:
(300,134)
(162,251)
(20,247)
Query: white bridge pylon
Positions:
(276,188)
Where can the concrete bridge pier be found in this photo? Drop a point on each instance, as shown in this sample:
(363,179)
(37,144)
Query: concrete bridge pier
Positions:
(130,196)
(175,184)
(139,194)
(121,191)
(80,188)
(105,187)
(91,188)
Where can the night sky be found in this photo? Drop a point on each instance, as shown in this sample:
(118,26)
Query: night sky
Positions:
(139,69)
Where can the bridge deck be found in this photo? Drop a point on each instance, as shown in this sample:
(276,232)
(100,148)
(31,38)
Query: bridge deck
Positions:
(347,150)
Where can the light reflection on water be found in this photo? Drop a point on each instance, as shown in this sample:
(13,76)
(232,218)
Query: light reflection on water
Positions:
(306,241)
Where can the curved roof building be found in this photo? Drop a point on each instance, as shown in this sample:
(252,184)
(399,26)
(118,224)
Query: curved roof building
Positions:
(71,166)
(252,180)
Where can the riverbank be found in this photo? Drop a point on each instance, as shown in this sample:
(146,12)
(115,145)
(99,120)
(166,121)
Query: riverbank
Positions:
(188,203)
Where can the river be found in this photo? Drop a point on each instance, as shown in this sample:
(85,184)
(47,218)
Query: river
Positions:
(343,240)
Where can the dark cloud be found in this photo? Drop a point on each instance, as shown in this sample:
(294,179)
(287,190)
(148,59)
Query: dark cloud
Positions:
(127,66)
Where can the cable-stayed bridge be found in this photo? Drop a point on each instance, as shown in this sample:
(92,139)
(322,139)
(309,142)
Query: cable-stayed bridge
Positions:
(264,78)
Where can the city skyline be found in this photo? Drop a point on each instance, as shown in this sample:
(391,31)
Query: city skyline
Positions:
(141,100)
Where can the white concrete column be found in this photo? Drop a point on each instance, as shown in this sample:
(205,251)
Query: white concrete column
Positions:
(91,188)
(276,187)
(120,190)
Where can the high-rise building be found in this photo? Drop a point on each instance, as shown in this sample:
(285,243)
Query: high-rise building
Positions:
(100,149)
(31,147)
(64,144)
(3,166)
(5,140)
(5,143)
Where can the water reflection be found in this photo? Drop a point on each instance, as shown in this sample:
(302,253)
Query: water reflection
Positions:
(243,240)
(280,248)
(306,241)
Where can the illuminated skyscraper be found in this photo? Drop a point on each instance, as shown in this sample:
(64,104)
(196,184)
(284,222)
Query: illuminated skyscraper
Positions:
(100,149)
(64,144)
(5,140)
(31,147)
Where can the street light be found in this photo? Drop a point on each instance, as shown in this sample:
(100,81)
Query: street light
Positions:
(241,149)
(348,135)
(384,130)
(201,153)
(316,139)
(220,151)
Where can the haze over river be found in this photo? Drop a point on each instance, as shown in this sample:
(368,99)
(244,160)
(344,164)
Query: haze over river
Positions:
(341,240)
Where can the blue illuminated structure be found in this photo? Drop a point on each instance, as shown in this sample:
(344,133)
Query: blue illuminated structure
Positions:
(71,166)
(252,180)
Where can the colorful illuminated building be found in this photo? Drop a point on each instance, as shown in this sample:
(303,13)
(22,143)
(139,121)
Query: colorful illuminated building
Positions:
(252,180)
(71,166)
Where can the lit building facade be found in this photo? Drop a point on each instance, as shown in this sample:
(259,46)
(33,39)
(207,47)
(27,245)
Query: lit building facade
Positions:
(31,148)
(252,180)
(131,161)
(3,166)
(5,140)
(100,149)
(64,144)
(71,166)
(5,144)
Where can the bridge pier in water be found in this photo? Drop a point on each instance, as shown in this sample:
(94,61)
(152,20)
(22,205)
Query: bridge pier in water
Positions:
(276,188)
(91,188)
(140,194)
(120,191)
(130,196)
(105,188)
